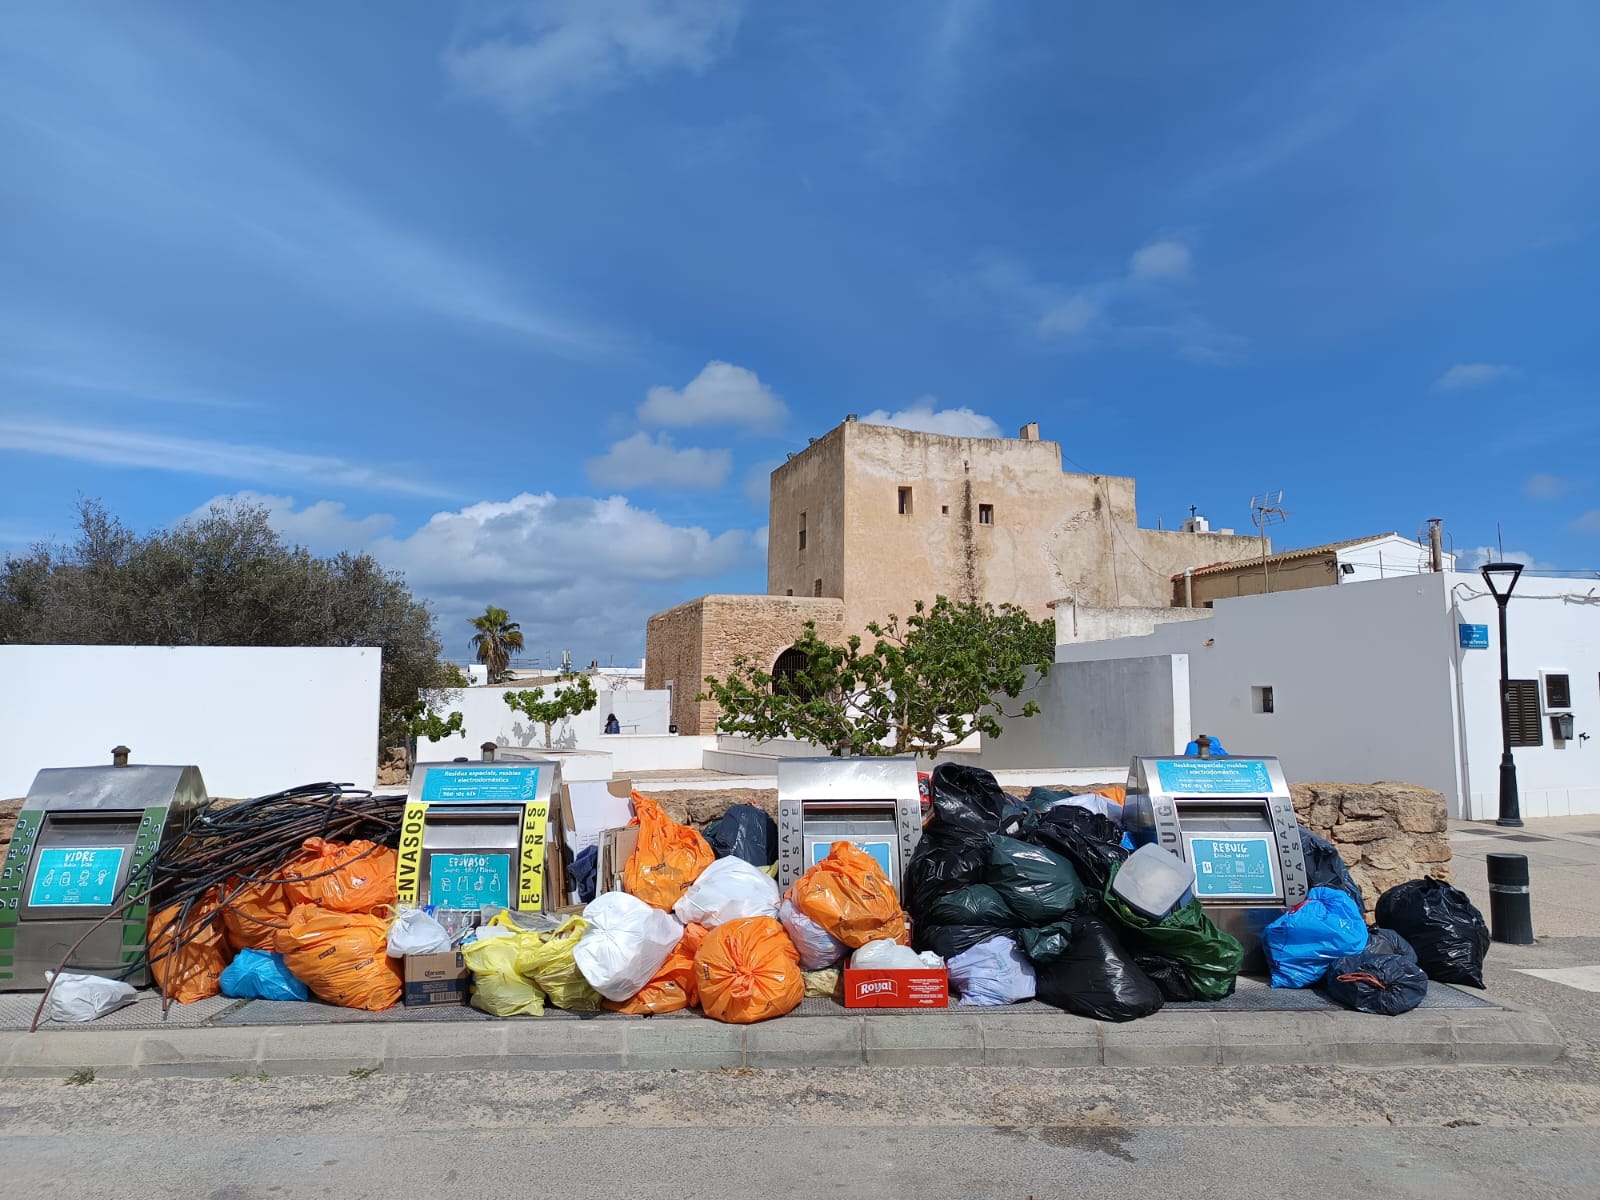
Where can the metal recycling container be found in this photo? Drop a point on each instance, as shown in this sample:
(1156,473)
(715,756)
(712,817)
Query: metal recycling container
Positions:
(82,835)
(873,802)
(1233,821)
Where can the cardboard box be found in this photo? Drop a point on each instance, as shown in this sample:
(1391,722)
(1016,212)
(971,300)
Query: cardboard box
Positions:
(616,848)
(435,979)
(589,807)
(924,988)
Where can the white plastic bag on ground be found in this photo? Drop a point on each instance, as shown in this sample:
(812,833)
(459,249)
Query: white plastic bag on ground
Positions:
(625,945)
(818,948)
(727,890)
(76,998)
(992,972)
(883,954)
(415,932)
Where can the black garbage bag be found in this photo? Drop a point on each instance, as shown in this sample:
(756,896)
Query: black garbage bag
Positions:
(1387,941)
(1037,884)
(1443,927)
(744,831)
(584,867)
(1385,984)
(947,941)
(1046,943)
(947,858)
(1097,978)
(975,904)
(1169,975)
(969,798)
(1324,867)
(1091,841)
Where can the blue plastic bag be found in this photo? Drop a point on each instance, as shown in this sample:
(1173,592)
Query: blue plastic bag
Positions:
(261,975)
(1305,941)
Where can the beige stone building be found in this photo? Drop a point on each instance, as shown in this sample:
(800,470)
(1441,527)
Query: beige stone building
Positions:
(1378,557)
(868,519)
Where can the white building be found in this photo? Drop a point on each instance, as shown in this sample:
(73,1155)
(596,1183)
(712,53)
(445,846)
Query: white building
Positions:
(1387,679)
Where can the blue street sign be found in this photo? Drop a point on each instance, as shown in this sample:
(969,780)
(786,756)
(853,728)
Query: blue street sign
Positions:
(1474,637)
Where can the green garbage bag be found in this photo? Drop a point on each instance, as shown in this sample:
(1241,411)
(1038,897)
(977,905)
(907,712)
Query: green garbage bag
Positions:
(976,904)
(1036,884)
(1046,943)
(1210,957)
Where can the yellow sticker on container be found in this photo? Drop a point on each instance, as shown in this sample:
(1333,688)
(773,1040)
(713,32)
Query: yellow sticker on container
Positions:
(530,885)
(408,870)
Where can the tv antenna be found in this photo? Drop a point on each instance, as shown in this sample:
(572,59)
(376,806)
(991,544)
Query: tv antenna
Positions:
(1267,510)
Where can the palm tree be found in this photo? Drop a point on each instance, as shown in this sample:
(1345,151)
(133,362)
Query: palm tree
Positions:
(497,639)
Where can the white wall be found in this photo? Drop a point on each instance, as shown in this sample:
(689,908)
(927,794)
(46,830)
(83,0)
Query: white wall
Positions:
(1098,714)
(1360,676)
(487,718)
(1386,557)
(253,719)
(1553,626)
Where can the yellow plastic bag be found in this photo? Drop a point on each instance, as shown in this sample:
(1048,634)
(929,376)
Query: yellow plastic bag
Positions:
(849,895)
(669,857)
(748,970)
(497,987)
(550,966)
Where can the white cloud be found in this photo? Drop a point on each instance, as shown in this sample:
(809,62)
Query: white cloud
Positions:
(1473,375)
(758,483)
(955,422)
(721,394)
(324,526)
(1161,260)
(645,461)
(1472,559)
(1540,486)
(1588,523)
(1069,319)
(198,456)
(547,55)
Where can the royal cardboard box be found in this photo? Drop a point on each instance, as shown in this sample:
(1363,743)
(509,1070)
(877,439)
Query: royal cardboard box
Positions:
(921,988)
(436,979)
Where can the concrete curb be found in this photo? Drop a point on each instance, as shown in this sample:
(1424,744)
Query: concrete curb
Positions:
(1455,1037)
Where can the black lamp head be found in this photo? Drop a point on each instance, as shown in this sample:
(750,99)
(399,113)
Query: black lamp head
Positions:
(1501,578)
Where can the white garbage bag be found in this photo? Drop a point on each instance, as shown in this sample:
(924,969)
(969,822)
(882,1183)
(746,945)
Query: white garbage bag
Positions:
(416,932)
(625,945)
(885,954)
(993,972)
(818,948)
(85,997)
(727,890)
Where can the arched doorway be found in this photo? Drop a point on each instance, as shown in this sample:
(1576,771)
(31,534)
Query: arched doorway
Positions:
(787,669)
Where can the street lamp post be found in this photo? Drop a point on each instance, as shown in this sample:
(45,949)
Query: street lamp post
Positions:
(1502,578)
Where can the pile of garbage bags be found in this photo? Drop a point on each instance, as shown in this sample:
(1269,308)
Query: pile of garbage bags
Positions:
(1019,897)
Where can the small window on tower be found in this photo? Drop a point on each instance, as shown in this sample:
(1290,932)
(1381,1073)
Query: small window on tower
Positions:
(816,588)
(985,514)
(905,502)
(802,531)
(788,591)
(944,510)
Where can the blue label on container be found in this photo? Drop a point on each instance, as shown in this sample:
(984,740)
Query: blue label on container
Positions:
(1237,865)
(1474,637)
(469,880)
(1214,777)
(73,878)
(880,851)
(468,784)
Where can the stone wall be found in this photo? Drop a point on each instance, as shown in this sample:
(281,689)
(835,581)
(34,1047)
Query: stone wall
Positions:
(8,818)
(1386,833)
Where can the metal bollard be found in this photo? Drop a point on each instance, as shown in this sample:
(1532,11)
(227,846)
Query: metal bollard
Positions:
(1510,902)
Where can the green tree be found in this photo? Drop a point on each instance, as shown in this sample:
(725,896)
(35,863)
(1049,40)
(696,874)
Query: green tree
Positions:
(923,685)
(497,639)
(573,694)
(225,578)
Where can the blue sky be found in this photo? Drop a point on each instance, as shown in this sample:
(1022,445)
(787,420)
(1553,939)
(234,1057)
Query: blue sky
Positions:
(527,298)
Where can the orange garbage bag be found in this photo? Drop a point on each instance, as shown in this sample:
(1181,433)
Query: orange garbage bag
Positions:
(1112,791)
(748,970)
(669,858)
(342,957)
(348,877)
(673,986)
(253,914)
(849,895)
(187,951)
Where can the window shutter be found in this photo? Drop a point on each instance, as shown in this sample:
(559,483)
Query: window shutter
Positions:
(1522,704)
